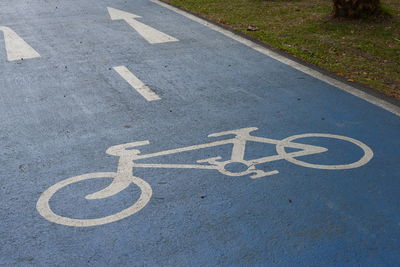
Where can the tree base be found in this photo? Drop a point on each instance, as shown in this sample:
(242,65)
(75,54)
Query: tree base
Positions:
(355,9)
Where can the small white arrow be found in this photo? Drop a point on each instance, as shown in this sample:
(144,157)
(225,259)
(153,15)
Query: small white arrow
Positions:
(151,35)
(16,47)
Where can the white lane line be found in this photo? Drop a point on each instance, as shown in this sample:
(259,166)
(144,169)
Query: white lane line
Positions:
(150,34)
(16,47)
(137,84)
(345,87)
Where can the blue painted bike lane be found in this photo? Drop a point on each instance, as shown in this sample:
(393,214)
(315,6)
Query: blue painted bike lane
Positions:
(180,197)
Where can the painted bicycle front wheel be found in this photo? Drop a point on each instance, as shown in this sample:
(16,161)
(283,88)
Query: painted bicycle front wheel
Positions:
(44,209)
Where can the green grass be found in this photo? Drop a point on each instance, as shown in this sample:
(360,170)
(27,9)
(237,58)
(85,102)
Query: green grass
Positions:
(363,51)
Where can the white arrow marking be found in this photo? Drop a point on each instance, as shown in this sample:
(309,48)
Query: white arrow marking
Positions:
(137,84)
(151,35)
(16,47)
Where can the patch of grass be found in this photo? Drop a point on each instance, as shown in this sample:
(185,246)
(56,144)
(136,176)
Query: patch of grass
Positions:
(365,51)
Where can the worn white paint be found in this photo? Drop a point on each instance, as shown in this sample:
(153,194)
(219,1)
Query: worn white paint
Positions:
(128,155)
(316,74)
(136,83)
(151,35)
(16,47)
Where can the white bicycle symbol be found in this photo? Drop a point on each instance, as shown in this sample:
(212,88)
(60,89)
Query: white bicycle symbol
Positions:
(124,176)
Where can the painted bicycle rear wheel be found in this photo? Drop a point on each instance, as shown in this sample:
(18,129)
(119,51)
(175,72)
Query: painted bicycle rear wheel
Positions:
(368,154)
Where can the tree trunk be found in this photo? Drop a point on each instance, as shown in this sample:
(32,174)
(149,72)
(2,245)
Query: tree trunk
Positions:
(355,8)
